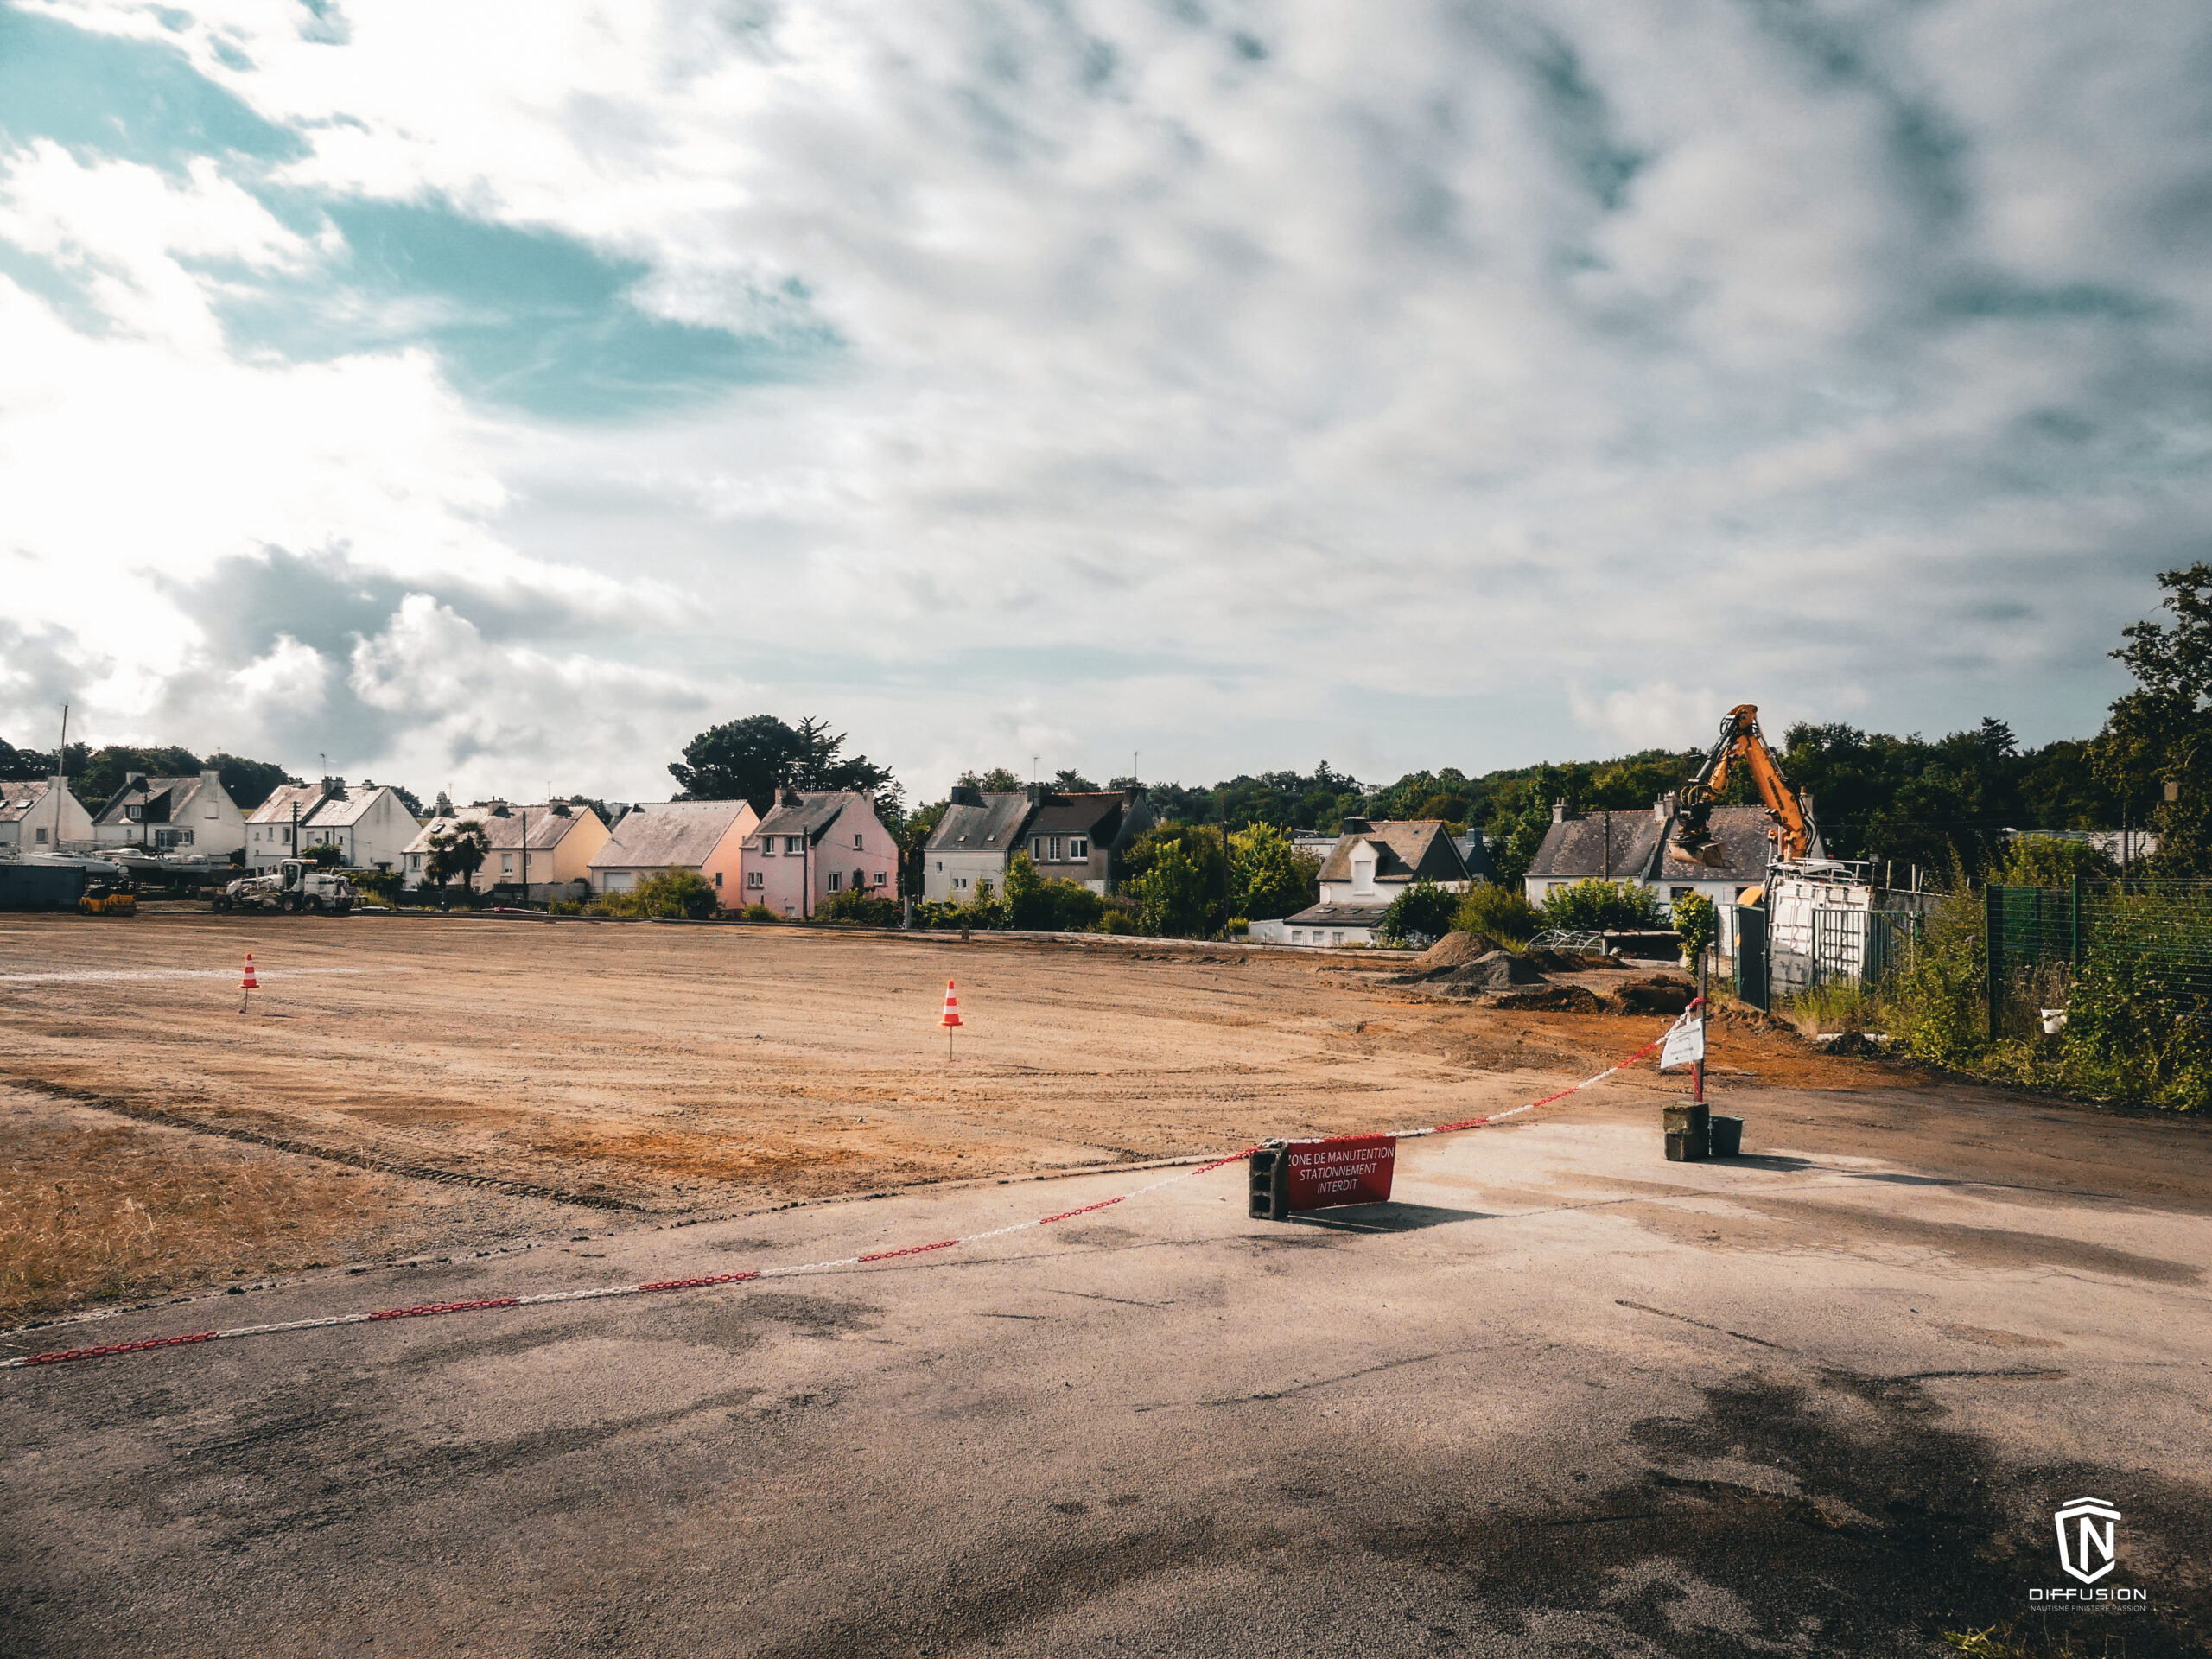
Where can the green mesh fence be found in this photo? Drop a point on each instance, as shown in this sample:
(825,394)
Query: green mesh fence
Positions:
(2039,938)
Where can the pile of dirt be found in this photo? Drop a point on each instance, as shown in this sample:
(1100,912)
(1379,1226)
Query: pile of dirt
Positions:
(1657,995)
(1564,961)
(1857,1043)
(1547,998)
(1494,971)
(1455,950)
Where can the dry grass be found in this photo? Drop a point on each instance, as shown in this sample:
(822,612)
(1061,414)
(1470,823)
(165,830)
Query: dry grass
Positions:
(111,1213)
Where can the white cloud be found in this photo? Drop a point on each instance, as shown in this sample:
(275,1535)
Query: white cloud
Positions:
(1408,380)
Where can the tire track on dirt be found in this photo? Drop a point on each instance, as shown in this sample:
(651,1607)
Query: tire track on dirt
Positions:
(308,1149)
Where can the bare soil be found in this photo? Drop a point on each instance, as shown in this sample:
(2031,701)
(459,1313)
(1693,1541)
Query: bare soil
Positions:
(437,1084)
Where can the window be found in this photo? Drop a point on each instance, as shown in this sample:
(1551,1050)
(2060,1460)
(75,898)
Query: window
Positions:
(833,881)
(880,880)
(1056,849)
(718,878)
(136,814)
(1680,892)
(794,844)
(1297,935)
(753,878)
(1078,847)
(1334,939)
(856,841)
(507,863)
(41,837)
(413,860)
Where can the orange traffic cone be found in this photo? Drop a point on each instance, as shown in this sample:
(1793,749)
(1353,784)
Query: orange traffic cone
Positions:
(950,1017)
(248,985)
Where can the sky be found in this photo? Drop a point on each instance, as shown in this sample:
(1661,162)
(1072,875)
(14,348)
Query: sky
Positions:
(489,397)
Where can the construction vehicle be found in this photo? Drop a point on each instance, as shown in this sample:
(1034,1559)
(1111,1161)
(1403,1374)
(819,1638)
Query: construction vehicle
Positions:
(1741,744)
(296,886)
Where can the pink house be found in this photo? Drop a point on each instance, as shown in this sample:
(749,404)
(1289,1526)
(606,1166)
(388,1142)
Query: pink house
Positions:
(812,846)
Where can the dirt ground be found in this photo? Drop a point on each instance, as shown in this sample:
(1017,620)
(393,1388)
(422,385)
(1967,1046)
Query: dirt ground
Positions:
(442,1085)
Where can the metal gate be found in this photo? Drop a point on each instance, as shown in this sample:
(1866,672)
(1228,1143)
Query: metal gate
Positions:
(1859,945)
(1751,957)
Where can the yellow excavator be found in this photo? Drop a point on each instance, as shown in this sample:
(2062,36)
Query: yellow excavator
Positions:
(1741,744)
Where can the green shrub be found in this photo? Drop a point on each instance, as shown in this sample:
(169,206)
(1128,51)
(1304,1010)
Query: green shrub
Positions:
(758,913)
(1697,921)
(1596,906)
(565,907)
(2050,862)
(1421,913)
(1496,911)
(676,894)
(857,904)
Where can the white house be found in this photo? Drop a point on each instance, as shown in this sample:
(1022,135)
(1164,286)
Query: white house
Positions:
(1372,863)
(42,816)
(172,815)
(368,823)
(1632,847)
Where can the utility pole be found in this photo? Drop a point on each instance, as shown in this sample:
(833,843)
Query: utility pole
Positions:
(525,812)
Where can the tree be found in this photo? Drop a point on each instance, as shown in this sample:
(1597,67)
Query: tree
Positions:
(750,760)
(2161,733)
(18,765)
(1268,876)
(1027,904)
(1187,906)
(1421,914)
(1175,899)
(997,781)
(1496,911)
(1071,781)
(460,851)
(249,783)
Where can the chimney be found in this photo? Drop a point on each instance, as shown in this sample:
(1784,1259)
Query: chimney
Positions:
(131,778)
(787,798)
(965,795)
(1558,810)
(1036,793)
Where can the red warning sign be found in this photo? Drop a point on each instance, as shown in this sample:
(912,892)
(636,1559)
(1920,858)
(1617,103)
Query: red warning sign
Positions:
(1354,1170)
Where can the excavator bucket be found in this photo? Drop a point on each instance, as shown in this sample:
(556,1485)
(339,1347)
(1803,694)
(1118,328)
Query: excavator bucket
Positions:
(1695,844)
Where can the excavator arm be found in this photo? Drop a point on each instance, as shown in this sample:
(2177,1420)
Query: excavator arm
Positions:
(1740,744)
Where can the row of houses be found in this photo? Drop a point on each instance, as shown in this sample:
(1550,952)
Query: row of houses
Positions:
(811,847)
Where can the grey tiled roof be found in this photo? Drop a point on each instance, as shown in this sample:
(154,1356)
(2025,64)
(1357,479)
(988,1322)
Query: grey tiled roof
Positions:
(812,814)
(997,826)
(16,799)
(547,828)
(1339,916)
(1408,849)
(662,835)
(149,792)
(1632,847)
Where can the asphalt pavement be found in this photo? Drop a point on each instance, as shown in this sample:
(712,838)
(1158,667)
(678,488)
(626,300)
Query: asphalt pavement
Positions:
(1559,1397)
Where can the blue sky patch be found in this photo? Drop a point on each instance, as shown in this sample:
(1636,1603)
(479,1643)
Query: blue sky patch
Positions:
(524,317)
(135,100)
